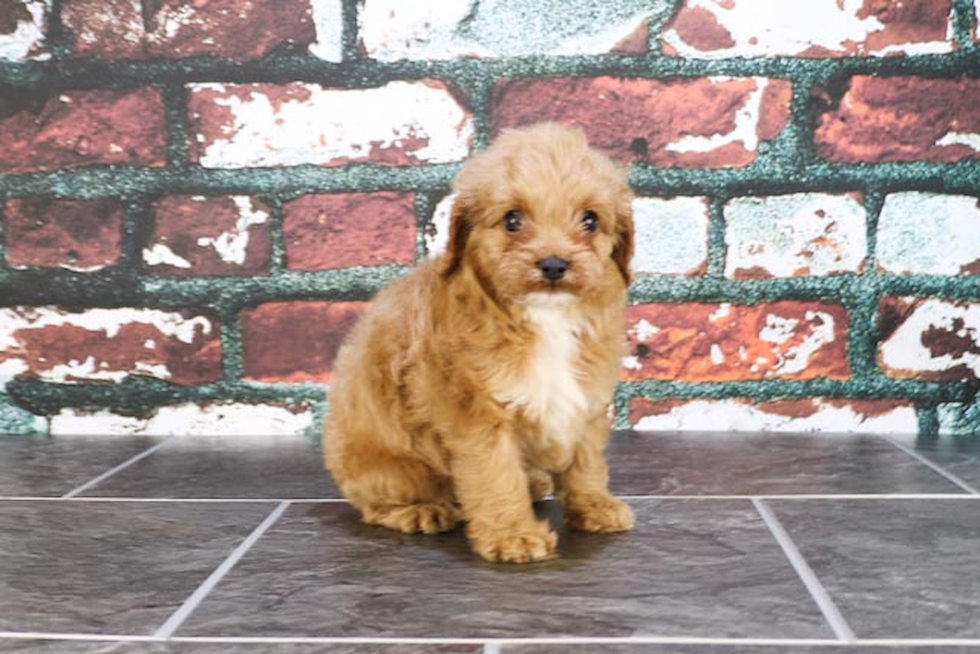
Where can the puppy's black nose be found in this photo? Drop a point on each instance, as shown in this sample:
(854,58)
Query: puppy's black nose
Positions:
(553,268)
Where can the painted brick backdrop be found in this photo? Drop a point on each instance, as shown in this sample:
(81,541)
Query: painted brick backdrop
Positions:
(199,198)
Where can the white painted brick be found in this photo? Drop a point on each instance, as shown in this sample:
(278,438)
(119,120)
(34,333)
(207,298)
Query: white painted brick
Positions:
(437,229)
(740,415)
(242,420)
(937,336)
(766,28)
(929,233)
(113,356)
(26,42)
(671,235)
(744,132)
(329,21)
(307,124)
(391,30)
(796,234)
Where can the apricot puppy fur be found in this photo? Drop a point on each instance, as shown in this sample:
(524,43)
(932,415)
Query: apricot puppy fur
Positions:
(472,384)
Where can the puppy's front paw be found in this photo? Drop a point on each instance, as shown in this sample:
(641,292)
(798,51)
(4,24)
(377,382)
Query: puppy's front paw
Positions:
(428,518)
(600,514)
(524,546)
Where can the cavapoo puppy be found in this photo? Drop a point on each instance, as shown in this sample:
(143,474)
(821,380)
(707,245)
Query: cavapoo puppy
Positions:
(472,384)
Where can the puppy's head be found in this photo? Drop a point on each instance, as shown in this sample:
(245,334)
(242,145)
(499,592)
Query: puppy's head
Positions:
(539,212)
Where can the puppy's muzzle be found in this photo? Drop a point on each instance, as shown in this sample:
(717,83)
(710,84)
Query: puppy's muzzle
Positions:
(553,268)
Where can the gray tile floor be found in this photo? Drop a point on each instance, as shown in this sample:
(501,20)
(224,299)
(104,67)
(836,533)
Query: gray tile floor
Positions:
(744,543)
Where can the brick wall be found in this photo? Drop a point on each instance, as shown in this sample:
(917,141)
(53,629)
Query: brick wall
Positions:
(198,198)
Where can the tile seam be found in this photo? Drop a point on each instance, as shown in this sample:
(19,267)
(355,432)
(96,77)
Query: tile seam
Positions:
(112,471)
(842,630)
(935,467)
(539,640)
(178,617)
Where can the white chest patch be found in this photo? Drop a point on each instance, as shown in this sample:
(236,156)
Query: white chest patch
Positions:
(549,390)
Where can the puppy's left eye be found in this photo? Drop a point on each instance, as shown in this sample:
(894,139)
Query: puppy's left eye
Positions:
(590,221)
(512,221)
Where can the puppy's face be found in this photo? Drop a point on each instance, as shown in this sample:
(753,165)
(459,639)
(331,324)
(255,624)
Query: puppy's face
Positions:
(539,212)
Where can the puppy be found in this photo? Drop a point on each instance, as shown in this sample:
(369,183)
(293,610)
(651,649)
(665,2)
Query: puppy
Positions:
(472,383)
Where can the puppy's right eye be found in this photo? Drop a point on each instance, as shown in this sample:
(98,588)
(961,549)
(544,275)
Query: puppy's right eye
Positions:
(512,221)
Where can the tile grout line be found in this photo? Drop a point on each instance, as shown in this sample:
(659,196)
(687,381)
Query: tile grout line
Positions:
(817,591)
(108,473)
(167,629)
(935,467)
(498,641)
(569,640)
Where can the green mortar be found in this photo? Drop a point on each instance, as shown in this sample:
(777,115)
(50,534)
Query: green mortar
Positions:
(787,164)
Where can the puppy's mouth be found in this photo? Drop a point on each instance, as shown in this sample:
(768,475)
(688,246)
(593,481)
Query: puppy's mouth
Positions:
(546,299)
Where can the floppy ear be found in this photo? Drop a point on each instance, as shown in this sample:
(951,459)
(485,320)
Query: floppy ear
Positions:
(623,249)
(459,232)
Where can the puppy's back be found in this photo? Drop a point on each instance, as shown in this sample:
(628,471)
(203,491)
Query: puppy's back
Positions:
(368,403)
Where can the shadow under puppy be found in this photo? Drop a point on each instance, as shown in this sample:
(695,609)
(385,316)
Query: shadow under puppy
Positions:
(474,382)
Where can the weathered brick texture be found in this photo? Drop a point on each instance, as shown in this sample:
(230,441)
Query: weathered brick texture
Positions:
(198,199)
(400,123)
(82,128)
(81,235)
(391,30)
(327,231)
(23,24)
(197,235)
(671,236)
(803,415)
(189,419)
(723,342)
(794,235)
(929,233)
(902,119)
(930,338)
(110,345)
(715,29)
(644,120)
(295,341)
(230,29)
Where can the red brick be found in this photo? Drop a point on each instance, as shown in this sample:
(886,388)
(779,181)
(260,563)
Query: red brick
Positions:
(901,119)
(196,235)
(780,415)
(56,345)
(711,342)
(703,122)
(229,29)
(349,229)
(83,128)
(81,235)
(295,341)
(754,28)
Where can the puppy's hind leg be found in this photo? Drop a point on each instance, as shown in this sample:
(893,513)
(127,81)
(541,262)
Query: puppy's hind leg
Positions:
(540,483)
(401,493)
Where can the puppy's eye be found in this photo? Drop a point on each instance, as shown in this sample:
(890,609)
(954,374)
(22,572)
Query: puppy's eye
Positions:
(512,221)
(590,221)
